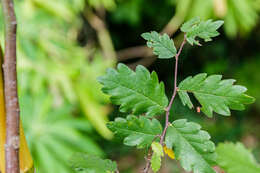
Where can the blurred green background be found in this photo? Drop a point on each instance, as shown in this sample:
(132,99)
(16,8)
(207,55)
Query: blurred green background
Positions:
(63,45)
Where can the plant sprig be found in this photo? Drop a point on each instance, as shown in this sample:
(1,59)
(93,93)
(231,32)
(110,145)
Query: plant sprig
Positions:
(141,95)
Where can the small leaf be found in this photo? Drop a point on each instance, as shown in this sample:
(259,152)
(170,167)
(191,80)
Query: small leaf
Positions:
(235,158)
(138,132)
(169,152)
(136,92)
(85,163)
(202,29)
(162,45)
(157,156)
(191,145)
(214,94)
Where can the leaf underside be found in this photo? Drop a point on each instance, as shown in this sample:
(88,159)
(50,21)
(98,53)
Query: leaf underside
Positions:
(157,156)
(214,94)
(137,92)
(202,29)
(240,162)
(162,45)
(191,146)
(85,163)
(136,131)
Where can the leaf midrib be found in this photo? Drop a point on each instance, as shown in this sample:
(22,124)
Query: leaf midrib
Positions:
(131,131)
(172,51)
(147,98)
(206,93)
(187,141)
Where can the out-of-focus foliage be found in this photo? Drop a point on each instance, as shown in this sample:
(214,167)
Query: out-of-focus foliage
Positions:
(248,73)
(235,158)
(109,4)
(239,16)
(54,134)
(85,163)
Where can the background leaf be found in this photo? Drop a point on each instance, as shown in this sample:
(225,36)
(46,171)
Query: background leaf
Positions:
(138,132)
(235,158)
(191,145)
(162,45)
(85,163)
(138,92)
(214,94)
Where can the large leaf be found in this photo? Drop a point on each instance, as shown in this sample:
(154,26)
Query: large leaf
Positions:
(85,163)
(162,45)
(202,29)
(192,146)
(157,156)
(214,94)
(235,158)
(137,92)
(138,132)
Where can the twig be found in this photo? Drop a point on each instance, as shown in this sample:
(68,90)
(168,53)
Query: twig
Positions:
(142,50)
(148,163)
(10,90)
(103,34)
(174,91)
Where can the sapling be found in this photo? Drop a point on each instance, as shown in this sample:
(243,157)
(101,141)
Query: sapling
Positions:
(140,94)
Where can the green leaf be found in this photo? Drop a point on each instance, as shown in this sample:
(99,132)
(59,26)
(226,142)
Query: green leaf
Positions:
(138,132)
(235,158)
(156,157)
(162,45)
(137,92)
(191,146)
(214,94)
(202,29)
(85,163)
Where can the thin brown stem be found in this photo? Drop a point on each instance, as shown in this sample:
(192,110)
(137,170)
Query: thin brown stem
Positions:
(174,91)
(148,163)
(10,90)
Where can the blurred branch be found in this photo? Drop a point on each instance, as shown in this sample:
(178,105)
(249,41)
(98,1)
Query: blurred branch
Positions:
(10,90)
(143,51)
(104,38)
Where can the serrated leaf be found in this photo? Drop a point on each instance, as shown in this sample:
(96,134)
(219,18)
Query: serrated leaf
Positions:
(202,29)
(162,45)
(157,156)
(136,92)
(235,158)
(136,131)
(191,145)
(85,163)
(214,94)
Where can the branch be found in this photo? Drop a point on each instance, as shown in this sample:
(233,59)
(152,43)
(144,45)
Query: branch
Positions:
(143,51)
(103,34)
(148,163)
(174,91)
(10,90)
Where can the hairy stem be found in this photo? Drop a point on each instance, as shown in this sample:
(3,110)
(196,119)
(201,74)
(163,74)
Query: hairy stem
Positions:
(148,163)
(10,90)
